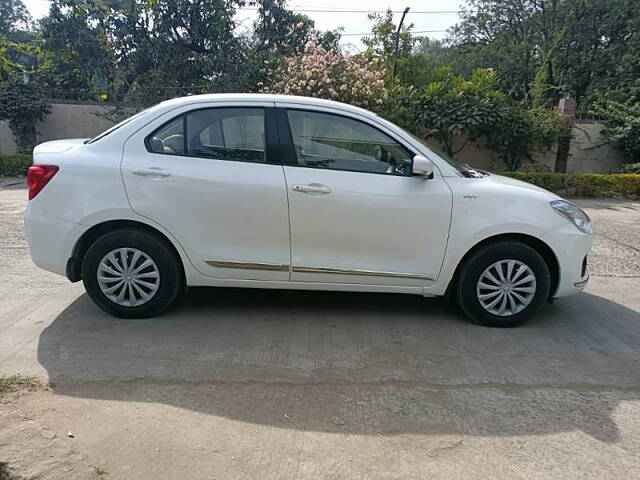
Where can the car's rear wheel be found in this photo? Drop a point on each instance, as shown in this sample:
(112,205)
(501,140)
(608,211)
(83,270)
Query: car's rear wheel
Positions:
(503,284)
(132,274)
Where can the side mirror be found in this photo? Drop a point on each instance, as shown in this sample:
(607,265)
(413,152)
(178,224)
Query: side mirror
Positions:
(422,167)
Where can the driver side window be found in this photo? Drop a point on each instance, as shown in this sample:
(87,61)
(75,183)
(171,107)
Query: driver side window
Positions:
(334,142)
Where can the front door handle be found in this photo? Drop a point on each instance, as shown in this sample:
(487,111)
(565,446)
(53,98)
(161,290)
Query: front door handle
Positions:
(311,188)
(151,172)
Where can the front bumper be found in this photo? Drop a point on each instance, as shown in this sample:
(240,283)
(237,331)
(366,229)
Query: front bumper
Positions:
(571,248)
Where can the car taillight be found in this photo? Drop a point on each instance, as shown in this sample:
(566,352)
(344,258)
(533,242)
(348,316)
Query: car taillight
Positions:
(38,176)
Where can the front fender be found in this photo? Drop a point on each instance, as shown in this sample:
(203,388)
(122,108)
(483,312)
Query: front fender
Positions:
(484,209)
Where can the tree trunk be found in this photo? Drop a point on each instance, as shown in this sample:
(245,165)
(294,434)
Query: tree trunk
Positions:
(562,155)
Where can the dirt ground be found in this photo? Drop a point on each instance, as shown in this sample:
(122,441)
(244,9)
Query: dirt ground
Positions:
(248,384)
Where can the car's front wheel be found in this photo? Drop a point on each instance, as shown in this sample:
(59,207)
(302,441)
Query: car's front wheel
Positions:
(503,284)
(132,274)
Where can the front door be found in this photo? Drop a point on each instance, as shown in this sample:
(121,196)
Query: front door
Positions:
(357,214)
(210,178)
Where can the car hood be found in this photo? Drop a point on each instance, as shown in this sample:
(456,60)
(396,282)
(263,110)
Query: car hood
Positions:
(58,146)
(512,182)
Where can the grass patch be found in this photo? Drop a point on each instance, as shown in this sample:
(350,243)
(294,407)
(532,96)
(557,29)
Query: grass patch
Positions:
(97,472)
(13,383)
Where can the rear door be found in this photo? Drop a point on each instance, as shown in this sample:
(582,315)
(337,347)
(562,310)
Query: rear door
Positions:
(211,176)
(357,214)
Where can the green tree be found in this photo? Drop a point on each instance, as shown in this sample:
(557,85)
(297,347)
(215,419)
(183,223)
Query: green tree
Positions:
(428,54)
(75,60)
(557,46)
(17,52)
(511,37)
(14,17)
(142,52)
(23,106)
(520,132)
(450,106)
(622,125)
(7,66)
(279,33)
(180,46)
(600,47)
(381,45)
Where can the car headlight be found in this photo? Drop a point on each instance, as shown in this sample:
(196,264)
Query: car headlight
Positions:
(572,213)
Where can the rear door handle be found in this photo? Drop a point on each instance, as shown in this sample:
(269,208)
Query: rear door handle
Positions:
(311,188)
(151,172)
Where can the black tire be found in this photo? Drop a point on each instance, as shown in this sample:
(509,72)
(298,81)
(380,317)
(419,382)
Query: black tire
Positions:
(466,286)
(171,276)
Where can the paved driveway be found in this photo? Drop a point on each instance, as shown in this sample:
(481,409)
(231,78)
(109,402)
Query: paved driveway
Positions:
(280,384)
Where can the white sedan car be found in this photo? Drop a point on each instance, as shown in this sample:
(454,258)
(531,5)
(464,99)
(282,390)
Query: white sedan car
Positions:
(270,191)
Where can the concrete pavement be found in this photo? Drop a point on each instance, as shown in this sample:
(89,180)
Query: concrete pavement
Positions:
(282,384)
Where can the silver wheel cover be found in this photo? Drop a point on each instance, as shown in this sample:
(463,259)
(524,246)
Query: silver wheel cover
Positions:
(506,287)
(128,277)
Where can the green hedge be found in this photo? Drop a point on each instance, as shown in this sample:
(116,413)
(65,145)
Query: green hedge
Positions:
(14,164)
(587,185)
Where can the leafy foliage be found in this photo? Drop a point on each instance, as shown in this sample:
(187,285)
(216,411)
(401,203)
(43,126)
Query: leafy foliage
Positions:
(330,74)
(75,62)
(23,106)
(16,36)
(622,125)
(279,33)
(521,132)
(14,16)
(630,168)
(579,47)
(140,53)
(451,106)
(14,164)
(7,66)
(428,55)
(381,44)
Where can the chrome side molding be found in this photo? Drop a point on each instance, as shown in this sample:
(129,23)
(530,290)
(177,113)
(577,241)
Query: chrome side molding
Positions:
(276,267)
(370,273)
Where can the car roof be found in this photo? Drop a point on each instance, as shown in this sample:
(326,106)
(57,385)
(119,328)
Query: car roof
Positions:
(263,97)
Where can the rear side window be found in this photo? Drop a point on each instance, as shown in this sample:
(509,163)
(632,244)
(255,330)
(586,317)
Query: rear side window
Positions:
(235,134)
(227,134)
(168,139)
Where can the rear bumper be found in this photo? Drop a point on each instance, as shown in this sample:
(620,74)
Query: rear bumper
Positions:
(50,239)
(571,248)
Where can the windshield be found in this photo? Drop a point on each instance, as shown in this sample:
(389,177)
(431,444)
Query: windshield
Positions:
(117,126)
(463,168)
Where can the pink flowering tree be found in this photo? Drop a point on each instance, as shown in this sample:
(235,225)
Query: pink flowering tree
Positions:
(330,74)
